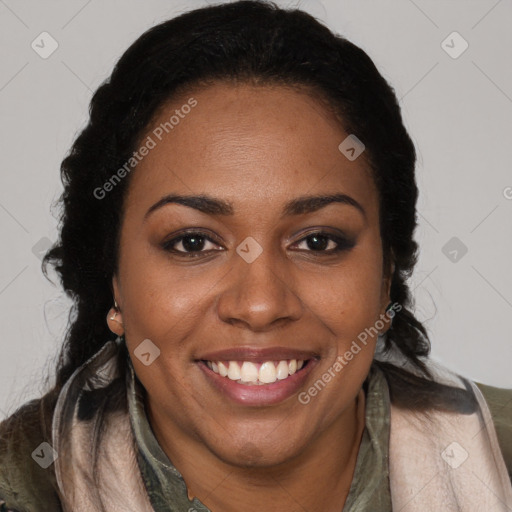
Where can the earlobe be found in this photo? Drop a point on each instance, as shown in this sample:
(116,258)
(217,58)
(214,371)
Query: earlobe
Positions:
(114,316)
(115,320)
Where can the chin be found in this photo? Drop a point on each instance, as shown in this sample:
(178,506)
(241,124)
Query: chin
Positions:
(258,453)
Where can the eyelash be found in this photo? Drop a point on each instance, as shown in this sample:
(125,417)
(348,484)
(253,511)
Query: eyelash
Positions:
(343,244)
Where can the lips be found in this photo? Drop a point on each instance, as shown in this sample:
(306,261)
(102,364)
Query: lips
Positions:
(257,376)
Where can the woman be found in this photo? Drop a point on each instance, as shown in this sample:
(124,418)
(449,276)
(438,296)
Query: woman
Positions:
(241,207)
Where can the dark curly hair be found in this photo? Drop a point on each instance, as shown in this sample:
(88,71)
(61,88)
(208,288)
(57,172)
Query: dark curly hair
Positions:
(249,42)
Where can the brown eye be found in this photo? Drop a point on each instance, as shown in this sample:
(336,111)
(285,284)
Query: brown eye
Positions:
(327,243)
(319,242)
(190,244)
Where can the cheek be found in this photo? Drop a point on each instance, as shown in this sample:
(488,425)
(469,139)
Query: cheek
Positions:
(347,298)
(163,300)
(161,304)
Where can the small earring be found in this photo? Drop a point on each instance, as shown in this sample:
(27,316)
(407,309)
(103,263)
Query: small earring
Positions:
(116,308)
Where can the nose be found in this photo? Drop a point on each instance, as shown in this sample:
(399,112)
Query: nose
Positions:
(259,295)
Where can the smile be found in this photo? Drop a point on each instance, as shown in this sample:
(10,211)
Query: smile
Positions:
(257,376)
(252,373)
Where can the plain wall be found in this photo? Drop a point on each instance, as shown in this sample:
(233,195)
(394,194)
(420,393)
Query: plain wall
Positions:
(457,110)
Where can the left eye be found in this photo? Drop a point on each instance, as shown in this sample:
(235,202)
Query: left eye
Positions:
(325,242)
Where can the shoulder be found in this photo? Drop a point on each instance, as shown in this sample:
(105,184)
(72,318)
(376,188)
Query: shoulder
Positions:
(499,401)
(25,485)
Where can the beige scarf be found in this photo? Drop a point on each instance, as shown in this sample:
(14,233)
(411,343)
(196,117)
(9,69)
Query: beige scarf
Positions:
(451,462)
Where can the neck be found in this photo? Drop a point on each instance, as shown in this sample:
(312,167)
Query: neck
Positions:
(318,479)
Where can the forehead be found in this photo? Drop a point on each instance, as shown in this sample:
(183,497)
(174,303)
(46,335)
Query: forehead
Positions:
(247,143)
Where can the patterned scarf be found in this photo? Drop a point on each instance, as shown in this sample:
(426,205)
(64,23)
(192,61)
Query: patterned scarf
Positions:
(440,461)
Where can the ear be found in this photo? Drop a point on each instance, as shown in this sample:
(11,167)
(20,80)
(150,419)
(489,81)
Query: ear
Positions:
(115,316)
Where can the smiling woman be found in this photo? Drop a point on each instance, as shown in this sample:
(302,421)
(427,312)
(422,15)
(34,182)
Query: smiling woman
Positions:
(252,263)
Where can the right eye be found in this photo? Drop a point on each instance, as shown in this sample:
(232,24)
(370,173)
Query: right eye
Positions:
(189,245)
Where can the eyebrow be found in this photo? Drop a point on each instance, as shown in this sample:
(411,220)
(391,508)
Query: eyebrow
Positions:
(213,206)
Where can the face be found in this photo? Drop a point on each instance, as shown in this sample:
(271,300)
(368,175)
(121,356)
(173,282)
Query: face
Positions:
(250,277)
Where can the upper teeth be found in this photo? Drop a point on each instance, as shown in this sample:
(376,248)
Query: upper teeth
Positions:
(247,372)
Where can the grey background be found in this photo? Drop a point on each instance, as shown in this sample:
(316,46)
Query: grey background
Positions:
(458,112)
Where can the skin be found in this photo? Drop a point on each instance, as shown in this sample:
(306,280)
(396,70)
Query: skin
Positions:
(257,147)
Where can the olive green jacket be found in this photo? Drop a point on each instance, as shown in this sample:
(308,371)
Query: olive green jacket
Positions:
(26,486)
